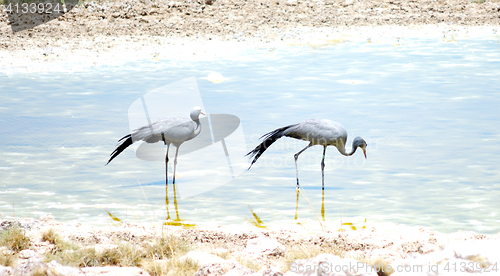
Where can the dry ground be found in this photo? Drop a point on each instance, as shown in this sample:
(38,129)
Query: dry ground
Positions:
(128,245)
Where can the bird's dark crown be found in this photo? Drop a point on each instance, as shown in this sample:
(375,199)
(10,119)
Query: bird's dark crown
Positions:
(359,142)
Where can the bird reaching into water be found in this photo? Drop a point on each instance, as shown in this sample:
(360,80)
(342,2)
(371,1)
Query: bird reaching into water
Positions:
(173,130)
(317,132)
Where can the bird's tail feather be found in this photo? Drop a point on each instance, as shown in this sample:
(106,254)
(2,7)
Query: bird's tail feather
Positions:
(269,139)
(125,142)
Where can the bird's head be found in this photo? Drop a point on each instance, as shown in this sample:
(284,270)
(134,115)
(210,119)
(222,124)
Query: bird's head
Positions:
(195,113)
(360,142)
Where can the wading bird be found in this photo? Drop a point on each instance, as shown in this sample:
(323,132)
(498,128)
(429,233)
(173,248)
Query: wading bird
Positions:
(317,132)
(173,130)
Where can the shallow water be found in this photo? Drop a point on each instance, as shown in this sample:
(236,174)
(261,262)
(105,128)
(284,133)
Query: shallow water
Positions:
(427,108)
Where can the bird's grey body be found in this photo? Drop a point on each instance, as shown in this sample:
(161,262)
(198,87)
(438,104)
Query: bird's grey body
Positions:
(176,130)
(172,130)
(318,132)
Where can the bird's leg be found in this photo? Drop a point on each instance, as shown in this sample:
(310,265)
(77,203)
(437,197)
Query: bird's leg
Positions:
(323,206)
(175,204)
(166,167)
(297,203)
(175,162)
(166,176)
(173,184)
(323,184)
(296,156)
(166,159)
(323,169)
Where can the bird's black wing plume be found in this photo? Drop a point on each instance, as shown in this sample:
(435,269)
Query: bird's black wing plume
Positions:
(125,142)
(269,139)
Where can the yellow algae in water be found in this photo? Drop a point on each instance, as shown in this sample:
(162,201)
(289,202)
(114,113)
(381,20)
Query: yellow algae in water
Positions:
(350,226)
(256,221)
(113,217)
(180,223)
(215,78)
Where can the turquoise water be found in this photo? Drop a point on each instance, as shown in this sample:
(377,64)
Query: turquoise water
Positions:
(428,109)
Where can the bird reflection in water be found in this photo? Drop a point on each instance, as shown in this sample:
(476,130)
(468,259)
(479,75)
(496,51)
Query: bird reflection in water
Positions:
(177,221)
(298,191)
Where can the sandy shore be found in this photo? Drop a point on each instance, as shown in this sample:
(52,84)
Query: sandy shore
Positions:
(81,53)
(106,32)
(245,251)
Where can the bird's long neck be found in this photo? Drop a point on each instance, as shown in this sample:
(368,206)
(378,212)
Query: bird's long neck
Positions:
(342,150)
(197,130)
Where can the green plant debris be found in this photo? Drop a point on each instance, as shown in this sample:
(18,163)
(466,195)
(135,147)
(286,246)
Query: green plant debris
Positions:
(223,254)
(167,247)
(248,264)
(300,251)
(176,266)
(162,257)
(125,254)
(14,238)
(61,245)
(8,259)
(41,271)
(68,253)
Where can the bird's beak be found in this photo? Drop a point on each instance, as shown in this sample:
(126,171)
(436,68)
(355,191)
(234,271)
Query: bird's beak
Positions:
(364,151)
(203,113)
